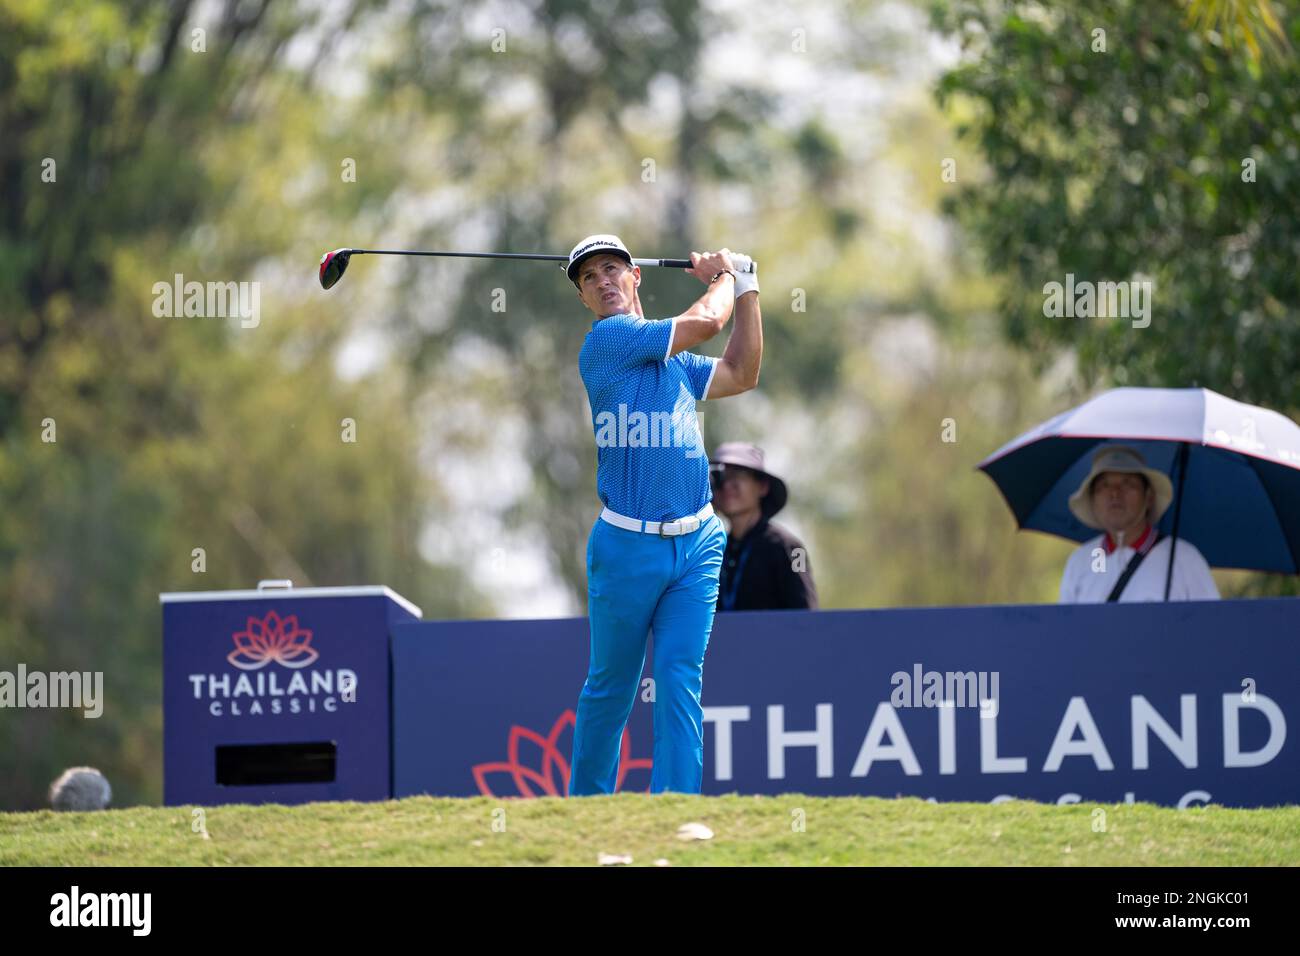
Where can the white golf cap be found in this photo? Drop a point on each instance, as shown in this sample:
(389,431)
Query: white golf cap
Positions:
(594,246)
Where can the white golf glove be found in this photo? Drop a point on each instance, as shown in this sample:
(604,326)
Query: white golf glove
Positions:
(746,281)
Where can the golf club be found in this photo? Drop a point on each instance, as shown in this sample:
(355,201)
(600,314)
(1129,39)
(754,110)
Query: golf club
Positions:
(334,264)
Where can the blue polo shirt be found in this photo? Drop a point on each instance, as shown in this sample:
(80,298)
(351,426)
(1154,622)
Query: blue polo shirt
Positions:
(650,458)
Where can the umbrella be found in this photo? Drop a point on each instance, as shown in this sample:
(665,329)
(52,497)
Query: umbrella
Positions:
(1235,469)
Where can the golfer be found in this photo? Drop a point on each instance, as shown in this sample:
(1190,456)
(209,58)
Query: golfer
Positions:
(654,555)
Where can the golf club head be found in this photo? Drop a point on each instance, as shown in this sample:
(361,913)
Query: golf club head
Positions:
(332,266)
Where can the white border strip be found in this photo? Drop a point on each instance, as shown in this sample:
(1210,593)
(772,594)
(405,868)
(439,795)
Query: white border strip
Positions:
(709,384)
(281,594)
(672,330)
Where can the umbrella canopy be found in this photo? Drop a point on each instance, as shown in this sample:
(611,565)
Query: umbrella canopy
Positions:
(1239,495)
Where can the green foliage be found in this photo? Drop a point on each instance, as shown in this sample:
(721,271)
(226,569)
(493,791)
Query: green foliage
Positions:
(1165,157)
(1253,22)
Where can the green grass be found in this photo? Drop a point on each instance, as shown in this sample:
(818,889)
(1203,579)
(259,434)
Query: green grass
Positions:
(748,831)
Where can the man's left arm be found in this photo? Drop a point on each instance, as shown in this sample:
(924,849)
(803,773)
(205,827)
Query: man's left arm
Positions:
(737,370)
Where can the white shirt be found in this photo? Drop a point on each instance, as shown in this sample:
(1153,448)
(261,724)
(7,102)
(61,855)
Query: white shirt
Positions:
(1091,573)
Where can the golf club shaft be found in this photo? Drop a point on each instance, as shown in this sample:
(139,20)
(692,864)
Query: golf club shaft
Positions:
(669,263)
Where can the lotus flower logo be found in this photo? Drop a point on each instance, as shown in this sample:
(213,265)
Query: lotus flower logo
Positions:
(273,638)
(551,777)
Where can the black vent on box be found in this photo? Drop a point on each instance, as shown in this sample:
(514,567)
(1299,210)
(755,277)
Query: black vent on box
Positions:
(250,765)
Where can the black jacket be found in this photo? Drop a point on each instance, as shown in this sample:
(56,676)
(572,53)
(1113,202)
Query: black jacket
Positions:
(767,570)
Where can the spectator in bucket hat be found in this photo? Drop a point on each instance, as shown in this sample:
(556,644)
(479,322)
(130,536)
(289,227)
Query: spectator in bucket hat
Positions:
(1124,498)
(765,566)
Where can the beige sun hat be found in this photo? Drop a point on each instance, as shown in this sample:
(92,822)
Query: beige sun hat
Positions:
(1125,459)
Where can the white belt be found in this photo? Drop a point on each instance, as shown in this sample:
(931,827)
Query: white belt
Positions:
(665,529)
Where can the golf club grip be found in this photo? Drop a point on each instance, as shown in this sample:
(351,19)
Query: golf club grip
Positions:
(678,263)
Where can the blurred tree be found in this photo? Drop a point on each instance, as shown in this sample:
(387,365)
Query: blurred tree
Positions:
(1161,157)
(129,439)
(900,516)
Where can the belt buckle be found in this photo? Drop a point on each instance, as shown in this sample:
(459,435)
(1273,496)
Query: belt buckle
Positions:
(681,526)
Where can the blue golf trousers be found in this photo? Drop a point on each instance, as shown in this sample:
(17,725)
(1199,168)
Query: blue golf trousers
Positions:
(637,582)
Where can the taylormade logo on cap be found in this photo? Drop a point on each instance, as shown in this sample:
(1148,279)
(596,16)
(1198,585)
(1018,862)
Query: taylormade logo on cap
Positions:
(593,245)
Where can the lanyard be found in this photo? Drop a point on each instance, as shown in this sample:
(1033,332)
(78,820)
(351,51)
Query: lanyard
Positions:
(729,595)
(1133,564)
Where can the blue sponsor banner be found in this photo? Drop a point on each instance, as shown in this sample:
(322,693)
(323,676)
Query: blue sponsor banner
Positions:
(1179,704)
(278,696)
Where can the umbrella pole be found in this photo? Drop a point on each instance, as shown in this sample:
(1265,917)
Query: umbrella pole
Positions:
(1178,511)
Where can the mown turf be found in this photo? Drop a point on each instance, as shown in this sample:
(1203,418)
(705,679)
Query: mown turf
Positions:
(749,830)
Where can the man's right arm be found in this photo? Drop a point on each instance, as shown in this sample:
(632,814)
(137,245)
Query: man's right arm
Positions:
(707,317)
